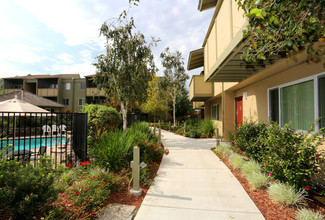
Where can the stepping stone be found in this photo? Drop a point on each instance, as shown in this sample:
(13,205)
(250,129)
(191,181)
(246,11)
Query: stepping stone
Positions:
(117,212)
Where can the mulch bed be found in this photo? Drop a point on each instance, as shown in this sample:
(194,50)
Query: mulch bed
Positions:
(270,209)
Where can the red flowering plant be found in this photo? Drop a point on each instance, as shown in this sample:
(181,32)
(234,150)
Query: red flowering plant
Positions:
(290,156)
(152,152)
(93,187)
(249,139)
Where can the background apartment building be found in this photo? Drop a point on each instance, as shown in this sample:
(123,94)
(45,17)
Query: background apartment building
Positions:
(68,89)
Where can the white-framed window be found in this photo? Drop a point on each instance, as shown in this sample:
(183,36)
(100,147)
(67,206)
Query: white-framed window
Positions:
(81,102)
(66,86)
(215,112)
(65,102)
(300,103)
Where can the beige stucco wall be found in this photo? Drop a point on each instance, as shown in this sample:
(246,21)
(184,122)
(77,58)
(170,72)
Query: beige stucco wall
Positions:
(255,107)
(224,27)
(218,87)
(229,21)
(238,20)
(199,88)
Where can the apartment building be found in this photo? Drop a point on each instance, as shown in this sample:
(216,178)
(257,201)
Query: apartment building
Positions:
(283,89)
(67,89)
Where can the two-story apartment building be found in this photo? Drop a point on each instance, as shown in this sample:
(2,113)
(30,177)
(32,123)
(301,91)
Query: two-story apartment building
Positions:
(284,89)
(67,89)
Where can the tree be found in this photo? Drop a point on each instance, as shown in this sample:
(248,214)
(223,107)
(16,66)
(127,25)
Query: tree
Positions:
(127,67)
(277,27)
(183,105)
(174,75)
(101,119)
(155,102)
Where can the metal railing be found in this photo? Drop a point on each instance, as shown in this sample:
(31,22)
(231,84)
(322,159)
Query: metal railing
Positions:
(61,136)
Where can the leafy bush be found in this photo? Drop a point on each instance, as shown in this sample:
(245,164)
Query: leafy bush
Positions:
(286,155)
(206,128)
(115,150)
(248,138)
(90,187)
(26,190)
(286,194)
(305,214)
(193,133)
(101,119)
(291,157)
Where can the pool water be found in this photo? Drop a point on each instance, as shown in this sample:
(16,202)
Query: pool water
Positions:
(33,143)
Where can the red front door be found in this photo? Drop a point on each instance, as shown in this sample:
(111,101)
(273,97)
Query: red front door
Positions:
(239,111)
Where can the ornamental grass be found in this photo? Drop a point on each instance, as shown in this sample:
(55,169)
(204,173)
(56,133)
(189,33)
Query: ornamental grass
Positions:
(286,194)
(305,214)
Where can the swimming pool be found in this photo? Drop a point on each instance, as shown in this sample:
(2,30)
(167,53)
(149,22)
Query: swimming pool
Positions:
(32,143)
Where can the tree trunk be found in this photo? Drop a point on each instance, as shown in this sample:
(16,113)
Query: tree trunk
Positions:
(174,111)
(124,110)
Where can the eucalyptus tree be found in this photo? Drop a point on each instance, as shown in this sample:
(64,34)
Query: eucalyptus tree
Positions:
(277,27)
(174,75)
(128,64)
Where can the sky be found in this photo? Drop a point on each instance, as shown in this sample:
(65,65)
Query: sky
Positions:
(62,36)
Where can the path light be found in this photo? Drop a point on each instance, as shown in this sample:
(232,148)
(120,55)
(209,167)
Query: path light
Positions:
(142,165)
(136,172)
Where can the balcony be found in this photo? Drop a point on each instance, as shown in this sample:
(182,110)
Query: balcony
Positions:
(47,92)
(198,105)
(200,90)
(95,92)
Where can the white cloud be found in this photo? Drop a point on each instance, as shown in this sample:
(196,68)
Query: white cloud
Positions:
(65,17)
(20,53)
(9,30)
(81,68)
(66,58)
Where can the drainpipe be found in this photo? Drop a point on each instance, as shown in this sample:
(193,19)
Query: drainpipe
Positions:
(72,99)
(223,110)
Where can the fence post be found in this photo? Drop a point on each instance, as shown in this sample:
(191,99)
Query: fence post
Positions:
(169,126)
(136,172)
(184,127)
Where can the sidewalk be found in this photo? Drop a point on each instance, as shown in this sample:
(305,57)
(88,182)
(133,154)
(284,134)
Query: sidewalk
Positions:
(192,183)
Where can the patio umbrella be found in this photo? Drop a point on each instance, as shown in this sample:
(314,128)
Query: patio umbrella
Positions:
(12,106)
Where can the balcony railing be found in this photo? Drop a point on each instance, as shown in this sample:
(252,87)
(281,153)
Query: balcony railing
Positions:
(200,90)
(47,92)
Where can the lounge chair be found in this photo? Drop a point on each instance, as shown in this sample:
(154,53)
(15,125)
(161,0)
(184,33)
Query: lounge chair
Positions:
(46,129)
(62,129)
(55,130)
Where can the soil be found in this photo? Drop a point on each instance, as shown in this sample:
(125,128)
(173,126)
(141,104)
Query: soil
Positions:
(270,209)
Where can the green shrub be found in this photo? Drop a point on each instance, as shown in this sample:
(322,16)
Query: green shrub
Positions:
(305,214)
(26,191)
(193,133)
(248,138)
(286,194)
(286,155)
(115,150)
(101,119)
(291,157)
(90,187)
(206,128)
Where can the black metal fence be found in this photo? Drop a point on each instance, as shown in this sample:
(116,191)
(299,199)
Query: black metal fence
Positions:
(29,135)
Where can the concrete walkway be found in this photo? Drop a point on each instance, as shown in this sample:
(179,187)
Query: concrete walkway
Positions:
(192,183)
